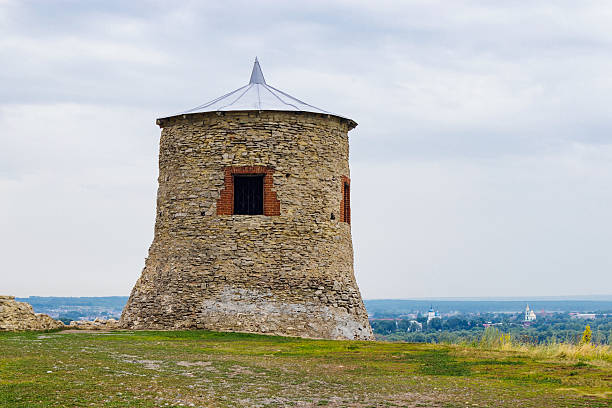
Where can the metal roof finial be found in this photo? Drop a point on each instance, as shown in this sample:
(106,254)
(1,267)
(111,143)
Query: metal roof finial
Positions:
(257,76)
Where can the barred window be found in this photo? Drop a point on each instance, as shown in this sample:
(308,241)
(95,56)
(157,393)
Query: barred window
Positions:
(346,196)
(248,194)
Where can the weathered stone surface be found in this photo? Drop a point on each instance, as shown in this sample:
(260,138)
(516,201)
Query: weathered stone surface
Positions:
(97,324)
(19,316)
(289,274)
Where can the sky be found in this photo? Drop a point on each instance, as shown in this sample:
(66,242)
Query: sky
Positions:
(493,118)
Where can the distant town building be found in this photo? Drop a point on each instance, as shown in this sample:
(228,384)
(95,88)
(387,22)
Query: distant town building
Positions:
(530,315)
(583,315)
(415,326)
(432,315)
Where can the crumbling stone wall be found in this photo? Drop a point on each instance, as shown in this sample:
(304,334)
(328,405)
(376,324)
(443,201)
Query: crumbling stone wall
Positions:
(18,316)
(289,274)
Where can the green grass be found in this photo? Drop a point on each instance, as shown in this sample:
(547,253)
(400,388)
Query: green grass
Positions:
(200,368)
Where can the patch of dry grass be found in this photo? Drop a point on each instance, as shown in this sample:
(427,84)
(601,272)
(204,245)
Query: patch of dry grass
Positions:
(493,339)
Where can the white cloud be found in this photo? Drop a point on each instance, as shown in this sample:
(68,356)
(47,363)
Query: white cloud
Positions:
(57,50)
(511,226)
(79,193)
(493,117)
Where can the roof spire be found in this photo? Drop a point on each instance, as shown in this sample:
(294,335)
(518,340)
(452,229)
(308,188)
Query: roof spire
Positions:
(257,76)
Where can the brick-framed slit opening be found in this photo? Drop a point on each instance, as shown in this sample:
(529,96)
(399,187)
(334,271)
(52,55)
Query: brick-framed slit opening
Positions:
(345,201)
(225,203)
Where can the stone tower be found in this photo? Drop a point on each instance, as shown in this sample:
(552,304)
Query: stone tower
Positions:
(252,231)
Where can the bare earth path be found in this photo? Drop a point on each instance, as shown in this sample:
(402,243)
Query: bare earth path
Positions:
(207,369)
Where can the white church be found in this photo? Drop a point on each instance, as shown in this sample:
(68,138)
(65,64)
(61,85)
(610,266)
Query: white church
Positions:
(530,315)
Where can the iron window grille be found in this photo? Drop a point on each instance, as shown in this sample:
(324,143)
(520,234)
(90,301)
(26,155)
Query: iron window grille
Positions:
(347,203)
(248,194)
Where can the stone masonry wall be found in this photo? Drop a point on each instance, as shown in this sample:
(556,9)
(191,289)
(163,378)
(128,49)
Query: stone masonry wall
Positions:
(19,316)
(289,274)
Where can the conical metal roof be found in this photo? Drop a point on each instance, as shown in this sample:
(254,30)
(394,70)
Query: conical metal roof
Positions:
(257,95)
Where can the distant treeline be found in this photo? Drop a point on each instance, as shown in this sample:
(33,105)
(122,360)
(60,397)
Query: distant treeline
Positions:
(551,328)
(396,307)
(387,308)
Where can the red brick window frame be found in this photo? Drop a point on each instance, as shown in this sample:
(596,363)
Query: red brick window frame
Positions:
(345,202)
(225,203)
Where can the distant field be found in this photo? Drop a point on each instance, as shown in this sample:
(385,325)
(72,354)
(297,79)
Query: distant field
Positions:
(111,306)
(199,368)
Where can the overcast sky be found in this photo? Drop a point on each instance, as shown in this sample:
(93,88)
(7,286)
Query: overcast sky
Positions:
(494,119)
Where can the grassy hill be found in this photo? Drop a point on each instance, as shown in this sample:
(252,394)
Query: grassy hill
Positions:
(199,368)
